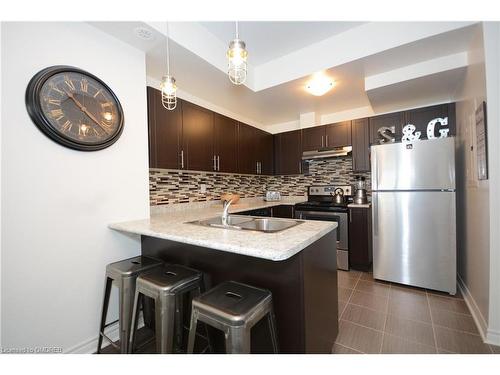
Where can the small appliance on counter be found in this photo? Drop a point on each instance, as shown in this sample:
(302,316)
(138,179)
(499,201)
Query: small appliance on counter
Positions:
(360,195)
(329,203)
(272,196)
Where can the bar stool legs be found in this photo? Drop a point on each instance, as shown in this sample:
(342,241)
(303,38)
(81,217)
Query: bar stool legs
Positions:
(123,274)
(126,298)
(107,292)
(233,308)
(167,287)
(165,319)
(237,340)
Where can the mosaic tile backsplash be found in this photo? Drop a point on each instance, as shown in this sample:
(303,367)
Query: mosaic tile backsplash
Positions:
(172,186)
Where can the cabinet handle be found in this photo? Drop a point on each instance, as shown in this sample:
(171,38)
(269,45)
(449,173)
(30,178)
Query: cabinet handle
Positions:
(218,162)
(182,159)
(214,163)
(257,167)
(350,216)
(260,167)
(326,143)
(300,167)
(322,141)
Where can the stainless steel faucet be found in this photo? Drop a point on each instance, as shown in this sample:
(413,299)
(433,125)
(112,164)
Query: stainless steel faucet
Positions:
(225,213)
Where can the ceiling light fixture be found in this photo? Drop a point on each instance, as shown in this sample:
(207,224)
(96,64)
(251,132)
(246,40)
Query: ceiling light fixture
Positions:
(237,60)
(168,86)
(319,85)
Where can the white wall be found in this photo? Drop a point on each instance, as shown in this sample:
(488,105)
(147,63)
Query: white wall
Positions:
(57,202)
(473,201)
(492,64)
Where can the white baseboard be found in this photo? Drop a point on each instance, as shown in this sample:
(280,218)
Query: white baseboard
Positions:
(481,324)
(493,337)
(90,346)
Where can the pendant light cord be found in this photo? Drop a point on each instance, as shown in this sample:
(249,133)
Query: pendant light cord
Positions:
(237,33)
(168,54)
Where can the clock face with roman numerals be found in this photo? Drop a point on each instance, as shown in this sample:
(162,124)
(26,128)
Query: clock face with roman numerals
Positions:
(74,108)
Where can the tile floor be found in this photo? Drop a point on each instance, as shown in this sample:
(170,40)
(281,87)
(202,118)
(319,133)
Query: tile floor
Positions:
(382,317)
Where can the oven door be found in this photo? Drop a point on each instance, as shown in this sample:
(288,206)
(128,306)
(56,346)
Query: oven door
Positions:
(341,218)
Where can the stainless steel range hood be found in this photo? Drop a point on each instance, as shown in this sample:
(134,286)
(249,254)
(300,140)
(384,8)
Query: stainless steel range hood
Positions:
(326,153)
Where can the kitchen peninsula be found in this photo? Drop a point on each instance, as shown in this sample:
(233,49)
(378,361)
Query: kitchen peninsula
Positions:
(294,264)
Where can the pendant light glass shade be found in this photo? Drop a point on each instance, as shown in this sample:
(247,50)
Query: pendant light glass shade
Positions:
(168,86)
(237,60)
(168,92)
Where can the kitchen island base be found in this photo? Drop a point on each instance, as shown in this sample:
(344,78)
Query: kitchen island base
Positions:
(304,289)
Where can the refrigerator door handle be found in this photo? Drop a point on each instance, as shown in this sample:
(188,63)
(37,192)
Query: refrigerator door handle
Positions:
(374,169)
(375,213)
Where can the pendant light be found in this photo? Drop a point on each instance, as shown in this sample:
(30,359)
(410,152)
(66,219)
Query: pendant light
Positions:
(237,60)
(168,86)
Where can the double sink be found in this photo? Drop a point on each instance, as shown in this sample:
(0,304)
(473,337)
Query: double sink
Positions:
(240,222)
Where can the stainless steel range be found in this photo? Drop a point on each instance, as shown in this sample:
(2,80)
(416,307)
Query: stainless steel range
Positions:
(329,203)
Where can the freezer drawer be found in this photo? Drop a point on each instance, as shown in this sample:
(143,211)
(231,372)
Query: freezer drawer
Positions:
(414,239)
(423,165)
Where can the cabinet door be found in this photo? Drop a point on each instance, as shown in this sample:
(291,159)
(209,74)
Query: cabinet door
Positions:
(247,153)
(226,144)
(165,130)
(197,137)
(265,152)
(283,211)
(289,149)
(390,120)
(420,118)
(360,253)
(313,138)
(360,145)
(338,134)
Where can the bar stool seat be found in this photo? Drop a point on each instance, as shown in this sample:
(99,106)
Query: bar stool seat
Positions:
(123,275)
(234,308)
(166,286)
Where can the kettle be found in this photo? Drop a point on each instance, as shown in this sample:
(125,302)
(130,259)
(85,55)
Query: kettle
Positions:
(338,197)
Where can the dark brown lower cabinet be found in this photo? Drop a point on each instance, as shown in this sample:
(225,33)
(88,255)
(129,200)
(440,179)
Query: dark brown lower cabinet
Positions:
(360,238)
(285,211)
(306,312)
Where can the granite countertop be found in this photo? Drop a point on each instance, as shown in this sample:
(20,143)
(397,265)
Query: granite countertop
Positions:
(173,225)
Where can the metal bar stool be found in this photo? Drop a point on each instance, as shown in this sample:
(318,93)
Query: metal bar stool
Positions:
(123,274)
(233,308)
(166,286)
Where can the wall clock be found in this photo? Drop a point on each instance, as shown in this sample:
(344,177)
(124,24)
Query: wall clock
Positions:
(74,108)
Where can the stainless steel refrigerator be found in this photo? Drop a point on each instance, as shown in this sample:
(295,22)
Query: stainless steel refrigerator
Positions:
(413,199)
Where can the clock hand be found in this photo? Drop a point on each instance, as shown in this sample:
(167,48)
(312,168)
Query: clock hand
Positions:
(84,110)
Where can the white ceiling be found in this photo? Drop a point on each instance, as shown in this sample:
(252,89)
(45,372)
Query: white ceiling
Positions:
(200,69)
(268,40)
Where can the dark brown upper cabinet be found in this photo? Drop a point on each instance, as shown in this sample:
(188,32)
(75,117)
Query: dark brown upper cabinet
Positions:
(360,135)
(421,117)
(338,134)
(247,149)
(225,144)
(313,138)
(288,152)
(165,132)
(394,121)
(265,153)
(197,138)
